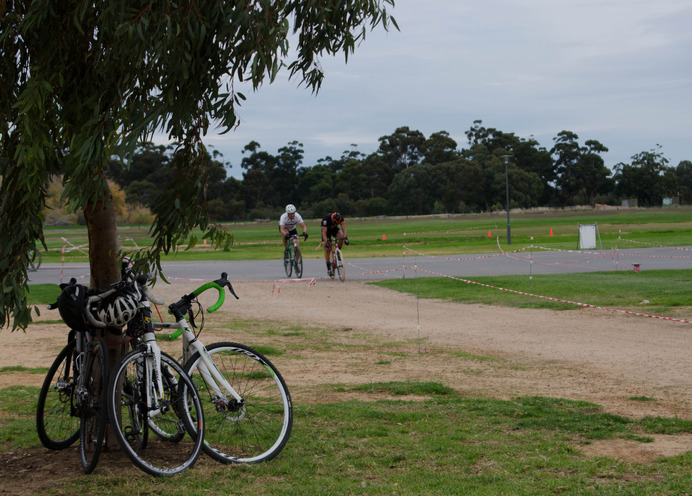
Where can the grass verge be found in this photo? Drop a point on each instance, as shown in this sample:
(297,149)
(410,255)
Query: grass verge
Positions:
(445,444)
(663,292)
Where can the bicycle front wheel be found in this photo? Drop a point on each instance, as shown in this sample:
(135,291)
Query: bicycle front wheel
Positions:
(93,399)
(135,406)
(57,423)
(339,262)
(298,262)
(34,260)
(255,429)
(288,265)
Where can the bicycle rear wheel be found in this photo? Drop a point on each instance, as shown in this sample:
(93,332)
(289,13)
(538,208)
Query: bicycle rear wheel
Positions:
(178,411)
(57,423)
(255,430)
(93,401)
(288,265)
(34,260)
(298,262)
(339,262)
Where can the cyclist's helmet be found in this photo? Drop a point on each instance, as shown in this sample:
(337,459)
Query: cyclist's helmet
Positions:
(120,309)
(72,305)
(290,209)
(337,218)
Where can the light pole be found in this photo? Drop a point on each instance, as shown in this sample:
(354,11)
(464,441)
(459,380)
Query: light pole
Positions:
(509,229)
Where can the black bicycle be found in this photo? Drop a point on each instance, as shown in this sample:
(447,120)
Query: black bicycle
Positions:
(72,401)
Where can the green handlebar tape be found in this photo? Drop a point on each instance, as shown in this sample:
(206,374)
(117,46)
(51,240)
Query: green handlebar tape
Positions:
(214,307)
(222,295)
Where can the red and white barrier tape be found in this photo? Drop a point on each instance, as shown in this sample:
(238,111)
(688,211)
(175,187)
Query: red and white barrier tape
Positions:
(656,245)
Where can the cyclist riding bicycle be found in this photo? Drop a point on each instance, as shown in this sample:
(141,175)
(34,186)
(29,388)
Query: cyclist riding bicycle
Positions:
(288,222)
(333,226)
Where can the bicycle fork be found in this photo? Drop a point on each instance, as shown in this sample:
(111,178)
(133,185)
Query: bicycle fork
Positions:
(155,400)
(210,372)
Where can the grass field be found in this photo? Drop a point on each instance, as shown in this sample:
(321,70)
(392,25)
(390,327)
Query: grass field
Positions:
(435,235)
(412,437)
(441,443)
(400,437)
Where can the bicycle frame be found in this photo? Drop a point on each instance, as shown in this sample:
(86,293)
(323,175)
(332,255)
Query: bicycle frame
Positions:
(292,258)
(152,362)
(293,243)
(336,259)
(210,372)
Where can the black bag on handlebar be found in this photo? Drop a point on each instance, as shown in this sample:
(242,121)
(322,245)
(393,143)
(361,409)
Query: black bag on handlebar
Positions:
(72,306)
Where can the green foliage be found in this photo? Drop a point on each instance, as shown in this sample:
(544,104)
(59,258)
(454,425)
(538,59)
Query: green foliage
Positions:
(648,178)
(84,81)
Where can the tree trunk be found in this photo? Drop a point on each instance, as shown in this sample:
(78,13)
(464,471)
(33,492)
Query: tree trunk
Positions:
(104,246)
(104,265)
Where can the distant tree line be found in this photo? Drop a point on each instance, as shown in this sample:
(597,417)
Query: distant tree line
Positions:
(411,174)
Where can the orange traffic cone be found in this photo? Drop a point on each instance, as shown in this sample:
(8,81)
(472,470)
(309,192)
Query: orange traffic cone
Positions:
(205,242)
(490,235)
(551,232)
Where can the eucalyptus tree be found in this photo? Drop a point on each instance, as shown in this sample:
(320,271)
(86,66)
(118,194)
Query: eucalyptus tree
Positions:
(526,154)
(440,147)
(257,180)
(402,149)
(85,80)
(683,172)
(582,173)
(647,178)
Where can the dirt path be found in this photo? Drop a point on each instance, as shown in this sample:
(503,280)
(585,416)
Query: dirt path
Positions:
(590,355)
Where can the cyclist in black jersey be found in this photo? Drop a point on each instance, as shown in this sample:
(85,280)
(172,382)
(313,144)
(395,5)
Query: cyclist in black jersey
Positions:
(333,226)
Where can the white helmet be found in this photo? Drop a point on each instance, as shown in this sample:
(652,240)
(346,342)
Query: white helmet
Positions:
(290,209)
(120,310)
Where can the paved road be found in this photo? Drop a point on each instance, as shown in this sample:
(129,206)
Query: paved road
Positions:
(526,262)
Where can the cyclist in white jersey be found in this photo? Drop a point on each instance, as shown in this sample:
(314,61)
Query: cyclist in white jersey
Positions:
(288,222)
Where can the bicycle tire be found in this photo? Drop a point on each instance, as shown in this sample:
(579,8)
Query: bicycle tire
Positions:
(339,262)
(57,423)
(257,430)
(129,416)
(93,405)
(34,264)
(161,430)
(298,262)
(288,263)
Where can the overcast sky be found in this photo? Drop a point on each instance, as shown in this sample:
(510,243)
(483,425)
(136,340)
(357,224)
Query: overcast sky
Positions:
(617,71)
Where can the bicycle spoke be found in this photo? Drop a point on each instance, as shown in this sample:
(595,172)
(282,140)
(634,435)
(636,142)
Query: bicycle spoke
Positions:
(57,424)
(176,418)
(298,262)
(288,263)
(93,409)
(256,429)
(341,270)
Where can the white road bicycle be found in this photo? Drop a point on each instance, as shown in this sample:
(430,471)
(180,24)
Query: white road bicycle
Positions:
(247,406)
(149,392)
